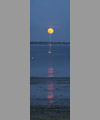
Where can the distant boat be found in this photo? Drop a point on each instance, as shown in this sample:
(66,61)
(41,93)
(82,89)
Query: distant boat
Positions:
(49,52)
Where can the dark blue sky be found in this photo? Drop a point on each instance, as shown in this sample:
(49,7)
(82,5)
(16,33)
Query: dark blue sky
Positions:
(50,13)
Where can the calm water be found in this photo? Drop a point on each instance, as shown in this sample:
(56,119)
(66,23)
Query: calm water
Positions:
(50,83)
(58,63)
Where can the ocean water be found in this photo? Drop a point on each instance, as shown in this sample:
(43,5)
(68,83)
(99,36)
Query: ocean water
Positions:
(50,82)
(56,64)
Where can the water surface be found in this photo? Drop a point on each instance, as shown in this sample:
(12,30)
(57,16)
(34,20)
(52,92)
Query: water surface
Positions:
(43,63)
(50,82)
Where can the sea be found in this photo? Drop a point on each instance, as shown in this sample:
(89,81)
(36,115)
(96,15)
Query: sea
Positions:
(50,82)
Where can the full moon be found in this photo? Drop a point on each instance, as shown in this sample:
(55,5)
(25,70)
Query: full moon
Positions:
(50,30)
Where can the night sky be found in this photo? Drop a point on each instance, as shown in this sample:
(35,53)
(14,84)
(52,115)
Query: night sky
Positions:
(50,13)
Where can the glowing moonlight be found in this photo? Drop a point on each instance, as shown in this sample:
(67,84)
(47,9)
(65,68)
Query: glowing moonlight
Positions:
(50,30)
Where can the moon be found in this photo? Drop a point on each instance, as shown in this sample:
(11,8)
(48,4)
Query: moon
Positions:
(50,30)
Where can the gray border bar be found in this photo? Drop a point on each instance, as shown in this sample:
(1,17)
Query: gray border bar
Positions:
(85,58)
(15,60)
